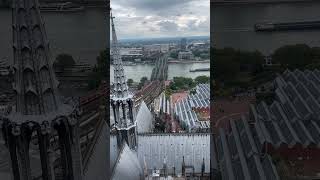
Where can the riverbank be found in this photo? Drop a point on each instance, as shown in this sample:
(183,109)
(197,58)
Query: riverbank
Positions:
(189,62)
(246,2)
(174,70)
(170,62)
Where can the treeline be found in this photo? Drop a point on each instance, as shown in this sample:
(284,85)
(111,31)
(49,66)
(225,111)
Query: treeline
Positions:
(184,83)
(101,69)
(299,56)
(234,70)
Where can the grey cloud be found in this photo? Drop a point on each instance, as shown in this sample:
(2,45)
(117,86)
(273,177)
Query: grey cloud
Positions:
(192,25)
(168,26)
(152,4)
(159,17)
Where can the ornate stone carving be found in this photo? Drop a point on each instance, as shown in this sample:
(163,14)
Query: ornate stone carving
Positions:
(45,128)
(16,130)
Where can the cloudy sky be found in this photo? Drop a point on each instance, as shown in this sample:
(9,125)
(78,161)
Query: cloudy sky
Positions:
(161,18)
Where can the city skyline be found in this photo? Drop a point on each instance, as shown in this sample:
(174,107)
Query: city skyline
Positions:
(144,19)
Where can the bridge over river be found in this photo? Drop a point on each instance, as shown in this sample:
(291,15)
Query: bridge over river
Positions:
(158,76)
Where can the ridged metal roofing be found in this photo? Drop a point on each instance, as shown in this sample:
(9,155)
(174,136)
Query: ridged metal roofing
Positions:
(98,157)
(144,119)
(239,157)
(294,117)
(184,109)
(154,149)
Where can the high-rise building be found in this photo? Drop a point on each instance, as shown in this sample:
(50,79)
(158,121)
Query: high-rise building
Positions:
(183,44)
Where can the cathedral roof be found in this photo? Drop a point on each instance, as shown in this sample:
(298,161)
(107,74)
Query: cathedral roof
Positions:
(154,149)
(114,150)
(144,119)
(98,156)
(127,166)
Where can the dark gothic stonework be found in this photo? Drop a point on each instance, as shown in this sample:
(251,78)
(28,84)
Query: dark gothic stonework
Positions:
(38,111)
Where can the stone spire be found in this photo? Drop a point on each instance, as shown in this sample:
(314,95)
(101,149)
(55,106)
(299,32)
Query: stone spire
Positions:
(35,83)
(121,100)
(38,112)
(120,81)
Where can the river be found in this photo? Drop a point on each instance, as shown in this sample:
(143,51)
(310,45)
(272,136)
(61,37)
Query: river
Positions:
(81,34)
(233,25)
(137,72)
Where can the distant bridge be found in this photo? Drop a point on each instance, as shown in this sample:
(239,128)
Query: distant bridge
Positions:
(152,90)
(160,71)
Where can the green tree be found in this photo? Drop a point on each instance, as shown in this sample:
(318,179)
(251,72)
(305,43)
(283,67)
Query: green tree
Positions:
(100,71)
(94,79)
(130,82)
(202,79)
(181,83)
(63,60)
(196,53)
(174,55)
(168,92)
(293,56)
(103,61)
(225,68)
(143,80)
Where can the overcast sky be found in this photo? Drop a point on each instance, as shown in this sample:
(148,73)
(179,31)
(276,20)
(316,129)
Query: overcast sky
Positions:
(161,18)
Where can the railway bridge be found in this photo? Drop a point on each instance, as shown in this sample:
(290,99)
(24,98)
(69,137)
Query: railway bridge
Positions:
(154,88)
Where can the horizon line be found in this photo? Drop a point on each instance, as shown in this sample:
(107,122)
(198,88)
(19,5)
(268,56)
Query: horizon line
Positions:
(135,38)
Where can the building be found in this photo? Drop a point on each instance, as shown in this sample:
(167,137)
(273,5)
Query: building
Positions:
(131,53)
(185,55)
(138,153)
(186,116)
(200,100)
(193,112)
(183,44)
(280,135)
(163,48)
